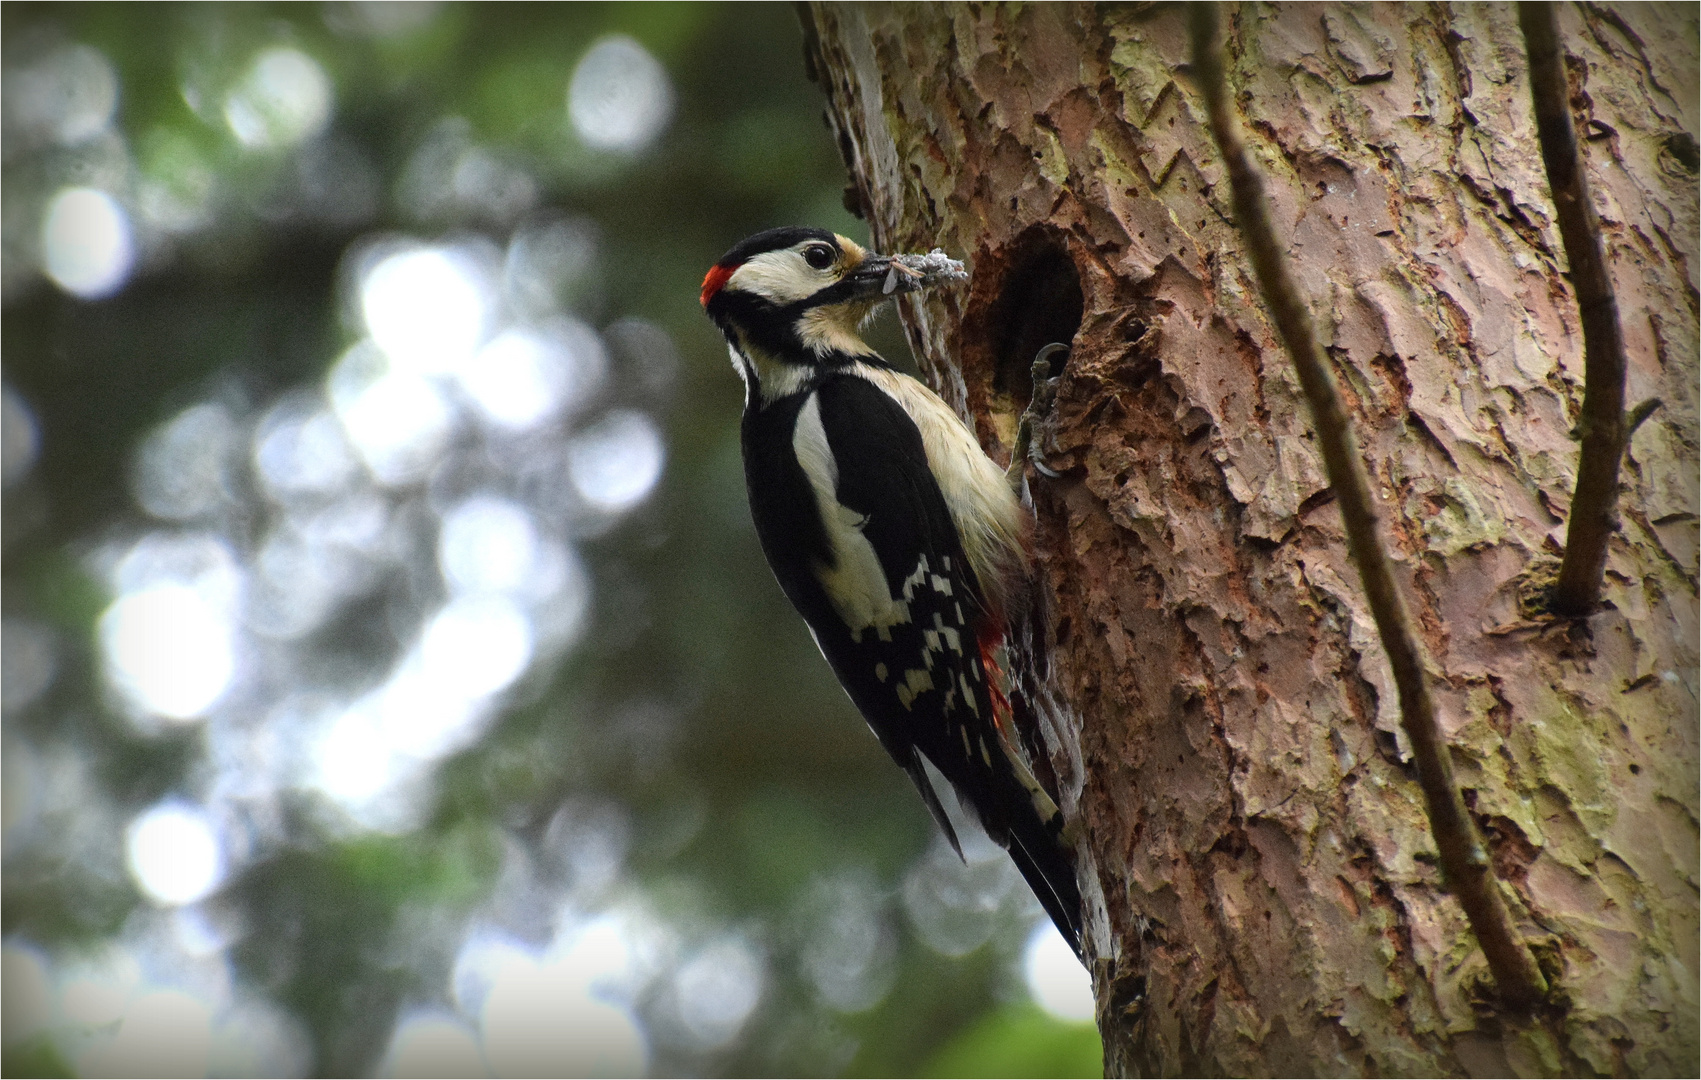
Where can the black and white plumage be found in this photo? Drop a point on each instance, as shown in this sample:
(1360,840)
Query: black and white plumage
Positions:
(891,532)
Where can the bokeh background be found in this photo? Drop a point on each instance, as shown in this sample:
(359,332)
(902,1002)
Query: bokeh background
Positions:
(392,681)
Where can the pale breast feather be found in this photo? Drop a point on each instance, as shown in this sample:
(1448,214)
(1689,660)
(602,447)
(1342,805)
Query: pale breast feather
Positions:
(989,519)
(828,330)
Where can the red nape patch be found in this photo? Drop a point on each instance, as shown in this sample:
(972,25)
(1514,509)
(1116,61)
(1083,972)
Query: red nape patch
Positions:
(713,280)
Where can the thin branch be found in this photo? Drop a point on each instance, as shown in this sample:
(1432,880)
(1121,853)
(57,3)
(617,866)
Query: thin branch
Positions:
(1594,505)
(1638,415)
(1463,857)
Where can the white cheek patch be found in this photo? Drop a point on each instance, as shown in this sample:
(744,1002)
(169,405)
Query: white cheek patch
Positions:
(855,583)
(781,276)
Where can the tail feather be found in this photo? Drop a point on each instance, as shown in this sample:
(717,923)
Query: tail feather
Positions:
(924,784)
(1047,869)
(1035,844)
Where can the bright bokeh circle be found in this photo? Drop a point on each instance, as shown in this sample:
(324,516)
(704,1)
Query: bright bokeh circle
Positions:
(1056,979)
(170,649)
(86,245)
(173,852)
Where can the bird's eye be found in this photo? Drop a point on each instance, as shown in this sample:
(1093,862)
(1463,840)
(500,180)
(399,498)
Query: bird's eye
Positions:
(820,256)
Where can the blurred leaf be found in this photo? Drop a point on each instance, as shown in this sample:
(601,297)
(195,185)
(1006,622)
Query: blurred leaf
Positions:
(1020,1040)
(61,590)
(668,27)
(524,101)
(35,1057)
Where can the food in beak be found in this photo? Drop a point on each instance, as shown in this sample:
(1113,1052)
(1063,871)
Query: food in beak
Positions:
(922,271)
(911,273)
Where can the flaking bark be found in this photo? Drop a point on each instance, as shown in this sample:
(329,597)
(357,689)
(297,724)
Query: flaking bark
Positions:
(1467,873)
(1209,687)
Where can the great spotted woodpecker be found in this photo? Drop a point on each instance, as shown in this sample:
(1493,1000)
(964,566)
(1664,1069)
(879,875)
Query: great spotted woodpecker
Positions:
(896,538)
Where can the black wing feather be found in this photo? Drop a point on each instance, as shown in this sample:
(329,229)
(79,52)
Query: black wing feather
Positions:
(944,709)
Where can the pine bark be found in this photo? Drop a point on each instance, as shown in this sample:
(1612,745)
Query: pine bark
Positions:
(1208,687)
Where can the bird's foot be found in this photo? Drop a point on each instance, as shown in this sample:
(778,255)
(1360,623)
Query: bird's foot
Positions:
(1027,450)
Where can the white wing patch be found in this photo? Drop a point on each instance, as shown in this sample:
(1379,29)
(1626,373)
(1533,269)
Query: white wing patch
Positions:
(917,681)
(855,583)
(939,639)
(988,520)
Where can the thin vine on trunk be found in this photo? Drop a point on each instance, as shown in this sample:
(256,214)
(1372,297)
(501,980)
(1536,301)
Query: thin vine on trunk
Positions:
(1463,857)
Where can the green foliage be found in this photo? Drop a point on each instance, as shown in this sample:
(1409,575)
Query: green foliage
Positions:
(1020,1040)
(34,1057)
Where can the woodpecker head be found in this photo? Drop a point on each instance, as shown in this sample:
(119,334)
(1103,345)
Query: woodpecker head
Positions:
(795,298)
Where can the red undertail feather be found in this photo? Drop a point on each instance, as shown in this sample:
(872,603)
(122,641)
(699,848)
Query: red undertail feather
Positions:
(991,640)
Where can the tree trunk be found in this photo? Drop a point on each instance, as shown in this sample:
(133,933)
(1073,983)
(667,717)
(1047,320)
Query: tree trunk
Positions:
(1210,690)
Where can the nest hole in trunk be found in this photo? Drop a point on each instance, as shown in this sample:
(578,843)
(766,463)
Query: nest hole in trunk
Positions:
(1029,296)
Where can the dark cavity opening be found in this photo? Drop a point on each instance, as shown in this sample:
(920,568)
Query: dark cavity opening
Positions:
(1039,302)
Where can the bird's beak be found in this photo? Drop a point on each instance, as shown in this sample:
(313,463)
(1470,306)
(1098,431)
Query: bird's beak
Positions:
(880,276)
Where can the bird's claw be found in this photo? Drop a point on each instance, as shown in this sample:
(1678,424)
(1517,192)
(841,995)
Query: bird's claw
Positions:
(1027,450)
